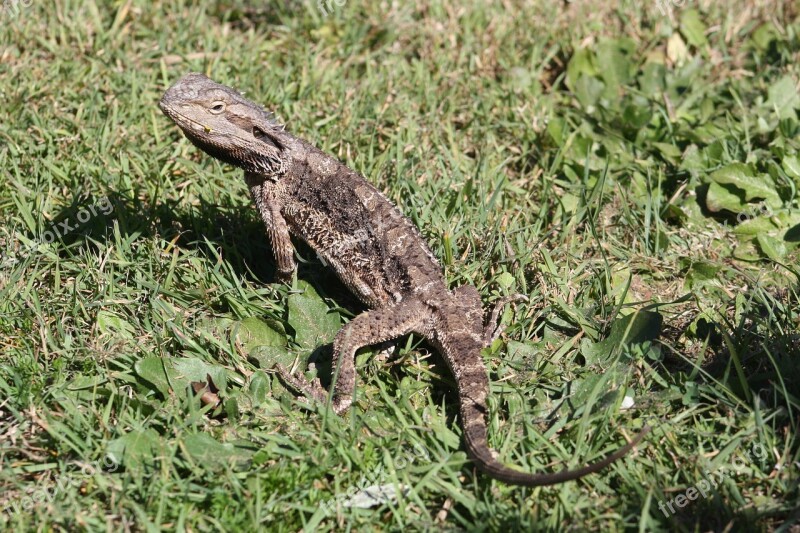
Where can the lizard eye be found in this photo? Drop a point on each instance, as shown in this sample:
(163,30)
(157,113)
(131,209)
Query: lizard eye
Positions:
(217,107)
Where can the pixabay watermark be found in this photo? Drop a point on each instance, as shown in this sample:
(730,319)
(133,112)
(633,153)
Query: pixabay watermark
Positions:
(62,483)
(11,8)
(755,211)
(64,227)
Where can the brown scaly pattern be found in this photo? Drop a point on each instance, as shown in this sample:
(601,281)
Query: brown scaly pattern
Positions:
(377,252)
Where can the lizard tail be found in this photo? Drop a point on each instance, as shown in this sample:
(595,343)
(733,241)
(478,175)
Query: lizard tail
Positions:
(474,385)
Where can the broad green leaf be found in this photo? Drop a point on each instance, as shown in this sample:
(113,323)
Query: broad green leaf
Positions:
(616,68)
(253,332)
(506,280)
(764,35)
(183,370)
(172,374)
(569,203)
(752,186)
(791,165)
(755,226)
(583,388)
(652,79)
(263,343)
(693,28)
(268,356)
(206,450)
(556,128)
(92,382)
(720,197)
(773,248)
(636,328)
(783,98)
(215,327)
(714,152)
(110,324)
(691,395)
(608,388)
(519,351)
(588,91)
(776,224)
(580,64)
(151,369)
(747,250)
(314,324)
(670,152)
(704,270)
(692,159)
(259,387)
(700,273)
(677,52)
(636,116)
(135,448)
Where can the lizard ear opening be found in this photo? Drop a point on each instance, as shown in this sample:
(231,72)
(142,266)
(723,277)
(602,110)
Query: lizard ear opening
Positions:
(263,136)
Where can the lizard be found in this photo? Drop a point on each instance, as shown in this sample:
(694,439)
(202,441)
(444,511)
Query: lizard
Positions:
(377,252)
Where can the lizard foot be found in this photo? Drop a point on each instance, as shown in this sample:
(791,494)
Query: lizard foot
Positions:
(386,351)
(299,383)
(313,390)
(493,330)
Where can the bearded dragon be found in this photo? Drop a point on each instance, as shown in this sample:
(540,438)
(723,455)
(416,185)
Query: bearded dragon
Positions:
(377,252)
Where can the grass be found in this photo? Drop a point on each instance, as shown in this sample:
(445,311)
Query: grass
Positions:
(633,172)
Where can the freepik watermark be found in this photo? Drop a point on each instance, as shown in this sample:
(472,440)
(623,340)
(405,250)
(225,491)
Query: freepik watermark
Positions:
(370,489)
(322,4)
(342,247)
(704,487)
(665,6)
(43,495)
(63,228)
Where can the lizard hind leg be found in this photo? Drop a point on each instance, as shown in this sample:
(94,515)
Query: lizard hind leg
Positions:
(368,328)
(311,389)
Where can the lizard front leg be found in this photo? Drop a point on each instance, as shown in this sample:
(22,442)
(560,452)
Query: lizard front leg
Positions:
(282,248)
(371,327)
(269,205)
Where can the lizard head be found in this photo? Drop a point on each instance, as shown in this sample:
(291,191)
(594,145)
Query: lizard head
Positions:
(225,125)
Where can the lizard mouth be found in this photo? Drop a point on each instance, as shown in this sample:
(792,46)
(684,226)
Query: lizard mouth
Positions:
(182,119)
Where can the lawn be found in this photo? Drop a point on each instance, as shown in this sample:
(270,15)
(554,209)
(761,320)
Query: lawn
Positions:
(632,167)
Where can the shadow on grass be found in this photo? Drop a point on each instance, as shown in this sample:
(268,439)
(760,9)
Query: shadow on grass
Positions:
(234,232)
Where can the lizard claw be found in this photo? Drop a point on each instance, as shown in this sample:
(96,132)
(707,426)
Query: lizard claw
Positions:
(284,277)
